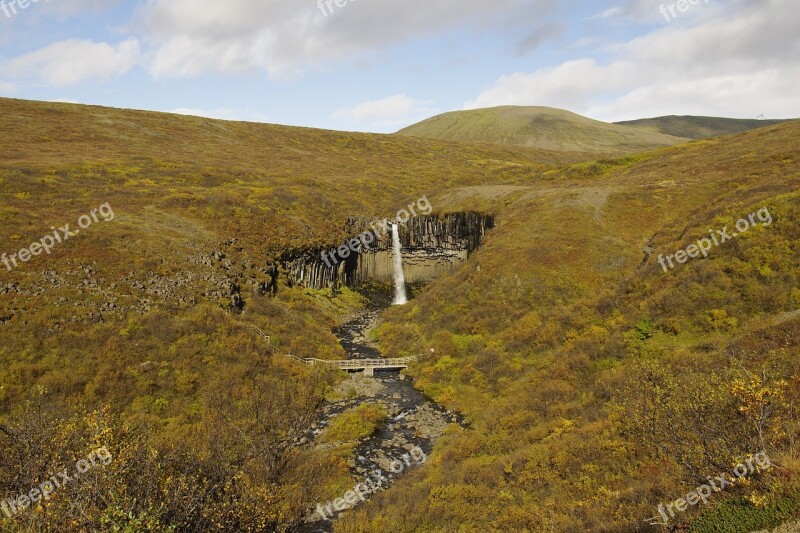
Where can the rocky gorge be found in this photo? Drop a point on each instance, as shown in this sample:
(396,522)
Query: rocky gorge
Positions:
(433,245)
(414,421)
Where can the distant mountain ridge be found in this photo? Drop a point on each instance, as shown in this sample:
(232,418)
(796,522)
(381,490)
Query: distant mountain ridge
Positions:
(693,127)
(560,130)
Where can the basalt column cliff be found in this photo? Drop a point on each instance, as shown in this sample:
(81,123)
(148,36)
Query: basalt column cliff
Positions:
(432,245)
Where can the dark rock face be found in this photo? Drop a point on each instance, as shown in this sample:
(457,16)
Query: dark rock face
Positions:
(309,270)
(457,231)
(432,246)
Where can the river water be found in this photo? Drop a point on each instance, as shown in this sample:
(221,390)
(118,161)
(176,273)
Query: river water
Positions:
(414,422)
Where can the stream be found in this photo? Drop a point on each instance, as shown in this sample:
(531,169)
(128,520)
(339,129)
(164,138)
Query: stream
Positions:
(414,422)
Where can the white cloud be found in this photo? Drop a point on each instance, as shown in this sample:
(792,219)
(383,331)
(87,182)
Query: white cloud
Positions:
(650,11)
(568,85)
(74,61)
(284,38)
(735,95)
(742,64)
(608,13)
(386,114)
(38,9)
(81,7)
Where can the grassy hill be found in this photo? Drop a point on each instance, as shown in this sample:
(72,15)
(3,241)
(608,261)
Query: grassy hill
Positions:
(698,127)
(595,384)
(136,334)
(539,127)
(284,178)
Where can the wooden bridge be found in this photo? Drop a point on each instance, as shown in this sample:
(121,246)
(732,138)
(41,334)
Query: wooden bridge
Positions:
(368,366)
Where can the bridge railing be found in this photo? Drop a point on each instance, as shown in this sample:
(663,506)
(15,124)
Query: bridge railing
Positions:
(358,363)
(344,364)
(304,361)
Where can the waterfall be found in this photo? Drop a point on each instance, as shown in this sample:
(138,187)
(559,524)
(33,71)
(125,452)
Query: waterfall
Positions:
(400,297)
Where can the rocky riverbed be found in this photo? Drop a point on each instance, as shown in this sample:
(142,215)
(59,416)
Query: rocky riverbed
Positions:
(414,421)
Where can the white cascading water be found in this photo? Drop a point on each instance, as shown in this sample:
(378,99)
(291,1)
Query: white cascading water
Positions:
(400,297)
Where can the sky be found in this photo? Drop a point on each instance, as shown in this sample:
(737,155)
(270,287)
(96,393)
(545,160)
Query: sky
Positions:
(380,65)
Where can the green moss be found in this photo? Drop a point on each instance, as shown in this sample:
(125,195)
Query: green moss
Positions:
(736,515)
(355,424)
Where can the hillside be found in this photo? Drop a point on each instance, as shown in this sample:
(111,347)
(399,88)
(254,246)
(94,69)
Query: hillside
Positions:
(137,333)
(238,171)
(597,385)
(594,385)
(698,127)
(539,127)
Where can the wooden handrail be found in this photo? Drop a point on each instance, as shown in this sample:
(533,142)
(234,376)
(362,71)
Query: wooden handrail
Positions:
(346,363)
(357,363)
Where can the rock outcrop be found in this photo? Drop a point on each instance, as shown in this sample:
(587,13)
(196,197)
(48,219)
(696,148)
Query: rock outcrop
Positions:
(432,246)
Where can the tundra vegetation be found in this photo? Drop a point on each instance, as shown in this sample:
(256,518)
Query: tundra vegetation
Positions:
(595,386)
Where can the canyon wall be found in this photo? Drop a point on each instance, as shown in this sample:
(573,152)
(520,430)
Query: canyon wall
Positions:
(432,246)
